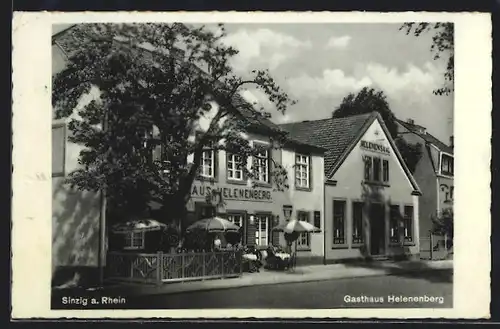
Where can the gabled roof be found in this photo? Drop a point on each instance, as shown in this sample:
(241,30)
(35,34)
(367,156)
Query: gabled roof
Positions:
(333,134)
(339,136)
(426,136)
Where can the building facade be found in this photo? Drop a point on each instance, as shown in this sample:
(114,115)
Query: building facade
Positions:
(77,238)
(370,199)
(433,172)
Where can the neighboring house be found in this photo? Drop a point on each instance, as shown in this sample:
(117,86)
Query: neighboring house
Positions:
(433,172)
(76,230)
(371,199)
(79,229)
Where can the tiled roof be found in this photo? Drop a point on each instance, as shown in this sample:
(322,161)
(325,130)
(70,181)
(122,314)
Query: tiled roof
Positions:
(333,134)
(426,137)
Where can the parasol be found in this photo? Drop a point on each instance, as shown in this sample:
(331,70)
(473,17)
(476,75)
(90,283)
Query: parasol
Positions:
(214,224)
(296,226)
(138,225)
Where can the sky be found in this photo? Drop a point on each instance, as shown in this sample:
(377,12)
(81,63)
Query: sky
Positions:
(319,64)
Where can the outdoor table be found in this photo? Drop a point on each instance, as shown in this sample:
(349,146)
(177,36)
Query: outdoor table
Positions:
(250,257)
(282,255)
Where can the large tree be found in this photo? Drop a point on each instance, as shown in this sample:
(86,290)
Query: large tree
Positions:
(442,46)
(155,82)
(371,100)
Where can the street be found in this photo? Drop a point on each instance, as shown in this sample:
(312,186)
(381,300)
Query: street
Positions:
(379,292)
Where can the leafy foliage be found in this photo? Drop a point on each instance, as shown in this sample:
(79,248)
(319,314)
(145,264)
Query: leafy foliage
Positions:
(411,153)
(370,100)
(443,223)
(154,84)
(442,45)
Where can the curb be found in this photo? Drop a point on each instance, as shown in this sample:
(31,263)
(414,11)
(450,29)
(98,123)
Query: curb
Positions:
(384,272)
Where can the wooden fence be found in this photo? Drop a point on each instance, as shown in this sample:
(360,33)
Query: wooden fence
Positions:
(162,267)
(436,247)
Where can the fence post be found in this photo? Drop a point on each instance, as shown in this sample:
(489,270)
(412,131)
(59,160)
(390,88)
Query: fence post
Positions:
(159,267)
(183,265)
(204,273)
(240,259)
(222,263)
(432,246)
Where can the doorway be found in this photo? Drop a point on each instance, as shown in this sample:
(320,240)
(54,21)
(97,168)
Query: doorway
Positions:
(377,229)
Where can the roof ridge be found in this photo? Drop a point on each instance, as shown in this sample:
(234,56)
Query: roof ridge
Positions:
(329,118)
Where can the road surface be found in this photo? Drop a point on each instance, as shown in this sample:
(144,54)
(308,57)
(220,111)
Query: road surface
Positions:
(432,288)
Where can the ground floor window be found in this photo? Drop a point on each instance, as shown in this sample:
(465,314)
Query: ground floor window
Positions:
(304,240)
(261,227)
(236,219)
(357,222)
(394,224)
(408,223)
(134,240)
(339,209)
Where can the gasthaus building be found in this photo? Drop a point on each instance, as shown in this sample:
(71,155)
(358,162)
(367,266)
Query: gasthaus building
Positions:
(257,206)
(370,198)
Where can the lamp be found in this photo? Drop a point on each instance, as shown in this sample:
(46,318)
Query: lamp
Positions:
(287,211)
(251,219)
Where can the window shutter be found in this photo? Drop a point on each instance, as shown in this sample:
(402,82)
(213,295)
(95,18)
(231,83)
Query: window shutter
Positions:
(58,149)
(317,219)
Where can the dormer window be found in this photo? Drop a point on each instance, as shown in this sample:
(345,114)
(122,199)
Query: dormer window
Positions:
(446,164)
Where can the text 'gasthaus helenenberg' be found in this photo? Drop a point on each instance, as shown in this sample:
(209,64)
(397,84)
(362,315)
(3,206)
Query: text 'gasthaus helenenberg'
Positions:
(393,299)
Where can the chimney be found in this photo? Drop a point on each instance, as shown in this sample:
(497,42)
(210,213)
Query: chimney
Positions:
(410,121)
(451,141)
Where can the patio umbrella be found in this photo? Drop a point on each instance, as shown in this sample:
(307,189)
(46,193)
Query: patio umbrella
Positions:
(296,226)
(213,224)
(138,225)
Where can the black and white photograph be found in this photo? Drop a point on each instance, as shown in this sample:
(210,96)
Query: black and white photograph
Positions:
(252,165)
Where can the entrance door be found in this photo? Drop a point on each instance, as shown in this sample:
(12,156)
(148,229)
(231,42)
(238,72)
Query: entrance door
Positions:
(377,231)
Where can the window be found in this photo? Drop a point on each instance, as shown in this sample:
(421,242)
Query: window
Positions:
(338,221)
(261,166)
(261,226)
(317,219)
(234,167)
(357,222)
(236,219)
(134,240)
(385,171)
(446,165)
(408,223)
(394,224)
(304,239)
(302,171)
(208,164)
(368,168)
(58,149)
(376,169)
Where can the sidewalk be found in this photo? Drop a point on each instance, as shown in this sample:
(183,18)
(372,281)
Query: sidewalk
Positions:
(300,274)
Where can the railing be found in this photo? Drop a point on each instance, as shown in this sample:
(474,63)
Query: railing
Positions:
(436,247)
(161,267)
